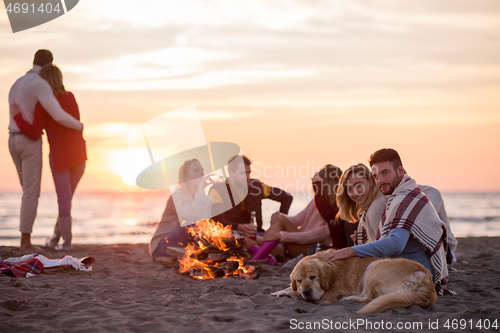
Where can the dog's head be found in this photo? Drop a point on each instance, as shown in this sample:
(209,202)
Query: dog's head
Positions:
(312,276)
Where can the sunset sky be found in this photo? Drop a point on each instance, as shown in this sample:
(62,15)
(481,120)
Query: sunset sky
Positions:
(296,84)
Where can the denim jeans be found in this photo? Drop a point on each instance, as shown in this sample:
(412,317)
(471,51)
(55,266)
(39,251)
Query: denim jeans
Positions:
(178,237)
(65,182)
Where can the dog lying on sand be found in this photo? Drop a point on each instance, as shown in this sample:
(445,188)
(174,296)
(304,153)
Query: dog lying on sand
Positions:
(382,283)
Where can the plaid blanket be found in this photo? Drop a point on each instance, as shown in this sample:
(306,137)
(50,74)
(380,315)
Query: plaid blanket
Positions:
(361,233)
(33,266)
(409,208)
(369,221)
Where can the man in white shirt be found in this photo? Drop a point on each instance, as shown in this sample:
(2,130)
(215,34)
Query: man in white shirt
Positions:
(26,153)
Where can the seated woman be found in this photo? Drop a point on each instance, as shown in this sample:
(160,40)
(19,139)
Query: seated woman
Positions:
(326,204)
(311,225)
(358,198)
(188,204)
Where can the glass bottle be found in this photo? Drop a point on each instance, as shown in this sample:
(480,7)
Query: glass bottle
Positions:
(253,222)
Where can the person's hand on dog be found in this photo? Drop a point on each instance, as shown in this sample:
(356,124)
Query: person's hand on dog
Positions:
(344,253)
(272,235)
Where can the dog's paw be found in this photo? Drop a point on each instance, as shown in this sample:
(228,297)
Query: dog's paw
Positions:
(330,298)
(285,292)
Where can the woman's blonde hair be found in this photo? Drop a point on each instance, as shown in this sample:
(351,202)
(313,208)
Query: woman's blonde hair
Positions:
(348,209)
(53,75)
(183,179)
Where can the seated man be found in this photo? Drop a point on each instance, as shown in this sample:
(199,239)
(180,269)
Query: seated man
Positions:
(234,200)
(436,199)
(410,227)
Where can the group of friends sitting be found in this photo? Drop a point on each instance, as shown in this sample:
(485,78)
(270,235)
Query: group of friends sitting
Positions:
(366,212)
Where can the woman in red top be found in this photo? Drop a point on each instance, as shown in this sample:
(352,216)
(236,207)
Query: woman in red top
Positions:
(67,152)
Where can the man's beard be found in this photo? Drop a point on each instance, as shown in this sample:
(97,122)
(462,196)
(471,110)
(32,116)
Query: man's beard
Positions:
(388,191)
(240,186)
(392,186)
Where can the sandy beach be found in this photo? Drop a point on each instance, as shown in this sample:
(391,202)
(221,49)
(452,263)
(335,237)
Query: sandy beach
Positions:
(128,292)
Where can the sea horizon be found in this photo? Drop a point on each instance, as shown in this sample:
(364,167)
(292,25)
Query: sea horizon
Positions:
(118,217)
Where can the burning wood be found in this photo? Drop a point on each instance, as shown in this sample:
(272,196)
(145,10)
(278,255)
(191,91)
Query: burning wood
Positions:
(215,253)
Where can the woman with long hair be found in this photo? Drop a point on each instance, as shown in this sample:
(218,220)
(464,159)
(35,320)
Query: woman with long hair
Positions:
(325,184)
(311,225)
(359,198)
(67,152)
(187,205)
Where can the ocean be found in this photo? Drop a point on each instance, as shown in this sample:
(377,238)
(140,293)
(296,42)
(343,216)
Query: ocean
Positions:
(131,217)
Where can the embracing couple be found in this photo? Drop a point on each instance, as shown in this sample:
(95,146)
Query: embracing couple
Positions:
(38,100)
(396,218)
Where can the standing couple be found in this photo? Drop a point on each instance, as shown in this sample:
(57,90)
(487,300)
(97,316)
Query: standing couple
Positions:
(38,100)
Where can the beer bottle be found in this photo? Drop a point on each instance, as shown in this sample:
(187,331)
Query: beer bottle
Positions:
(253,222)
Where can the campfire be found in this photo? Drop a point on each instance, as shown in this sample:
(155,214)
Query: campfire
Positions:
(216,253)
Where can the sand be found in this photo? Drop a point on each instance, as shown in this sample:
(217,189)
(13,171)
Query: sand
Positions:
(128,292)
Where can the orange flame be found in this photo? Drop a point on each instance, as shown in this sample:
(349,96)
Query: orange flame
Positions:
(210,233)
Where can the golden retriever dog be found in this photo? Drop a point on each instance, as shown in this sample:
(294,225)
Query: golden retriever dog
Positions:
(382,283)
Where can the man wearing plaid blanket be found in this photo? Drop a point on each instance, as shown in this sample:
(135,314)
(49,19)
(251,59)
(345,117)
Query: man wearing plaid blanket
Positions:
(410,226)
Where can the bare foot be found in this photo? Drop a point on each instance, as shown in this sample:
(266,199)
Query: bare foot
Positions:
(31,249)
